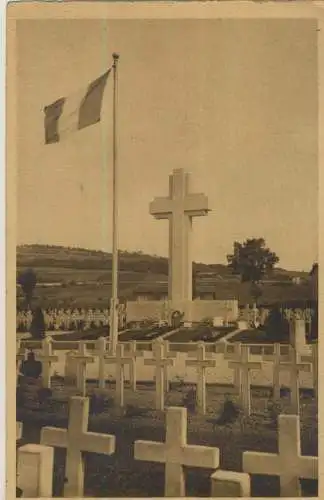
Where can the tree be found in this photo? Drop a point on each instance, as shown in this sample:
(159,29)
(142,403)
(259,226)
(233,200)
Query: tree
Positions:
(27,280)
(252,260)
(276,325)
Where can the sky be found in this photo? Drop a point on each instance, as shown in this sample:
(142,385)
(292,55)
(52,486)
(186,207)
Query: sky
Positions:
(233,102)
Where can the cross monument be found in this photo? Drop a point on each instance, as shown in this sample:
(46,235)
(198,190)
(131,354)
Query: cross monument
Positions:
(179,208)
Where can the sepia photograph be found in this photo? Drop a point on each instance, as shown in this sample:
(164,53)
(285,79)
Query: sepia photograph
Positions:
(162,273)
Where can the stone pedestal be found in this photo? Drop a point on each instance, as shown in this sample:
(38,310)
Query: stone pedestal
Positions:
(35,470)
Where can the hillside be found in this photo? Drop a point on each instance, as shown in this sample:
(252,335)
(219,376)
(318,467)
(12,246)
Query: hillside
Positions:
(83,277)
(79,259)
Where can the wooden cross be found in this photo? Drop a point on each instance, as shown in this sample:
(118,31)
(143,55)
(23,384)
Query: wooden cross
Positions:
(201,363)
(46,357)
(100,351)
(120,360)
(288,464)
(161,363)
(176,453)
(294,368)
(82,358)
(313,358)
(245,366)
(76,439)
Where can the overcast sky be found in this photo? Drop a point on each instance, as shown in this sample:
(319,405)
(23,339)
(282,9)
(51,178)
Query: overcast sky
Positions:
(234,102)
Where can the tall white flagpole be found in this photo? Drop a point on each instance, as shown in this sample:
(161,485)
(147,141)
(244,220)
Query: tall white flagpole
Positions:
(114,292)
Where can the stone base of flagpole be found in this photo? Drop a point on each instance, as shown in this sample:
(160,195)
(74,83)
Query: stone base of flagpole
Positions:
(113,325)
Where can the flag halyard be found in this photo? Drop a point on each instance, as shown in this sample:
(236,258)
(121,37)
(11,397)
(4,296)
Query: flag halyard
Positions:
(75,112)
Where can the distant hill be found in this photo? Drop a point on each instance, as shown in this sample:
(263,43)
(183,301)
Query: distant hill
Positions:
(82,277)
(50,256)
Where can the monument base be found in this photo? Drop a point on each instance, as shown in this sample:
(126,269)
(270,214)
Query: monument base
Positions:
(194,311)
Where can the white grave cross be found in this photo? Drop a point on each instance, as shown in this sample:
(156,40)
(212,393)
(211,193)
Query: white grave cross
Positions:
(161,364)
(294,368)
(120,360)
(101,351)
(77,439)
(288,464)
(313,358)
(234,356)
(168,354)
(46,357)
(133,354)
(176,453)
(21,354)
(179,208)
(245,366)
(18,430)
(82,358)
(201,363)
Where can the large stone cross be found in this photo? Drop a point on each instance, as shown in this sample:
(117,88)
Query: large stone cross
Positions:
(77,439)
(179,208)
(288,464)
(176,453)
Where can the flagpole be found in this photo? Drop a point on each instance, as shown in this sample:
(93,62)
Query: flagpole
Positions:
(114,283)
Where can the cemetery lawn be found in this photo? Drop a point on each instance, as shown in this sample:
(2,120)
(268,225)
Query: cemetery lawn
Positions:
(201,332)
(256,336)
(120,475)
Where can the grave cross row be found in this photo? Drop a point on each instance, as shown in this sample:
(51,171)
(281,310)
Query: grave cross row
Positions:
(46,357)
(288,464)
(176,453)
(201,363)
(77,439)
(245,366)
(161,364)
(120,360)
(294,368)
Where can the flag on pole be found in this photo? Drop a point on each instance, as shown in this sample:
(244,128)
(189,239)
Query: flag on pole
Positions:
(69,114)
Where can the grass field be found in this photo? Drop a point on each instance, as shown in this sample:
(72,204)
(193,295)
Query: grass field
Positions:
(121,476)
